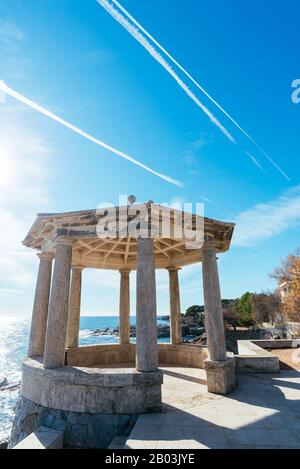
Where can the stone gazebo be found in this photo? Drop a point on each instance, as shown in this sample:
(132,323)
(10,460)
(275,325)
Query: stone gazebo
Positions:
(117,380)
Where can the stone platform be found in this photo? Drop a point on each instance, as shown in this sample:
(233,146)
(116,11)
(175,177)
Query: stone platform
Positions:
(91,405)
(263,412)
(117,390)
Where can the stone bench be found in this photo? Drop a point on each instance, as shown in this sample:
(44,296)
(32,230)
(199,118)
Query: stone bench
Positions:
(112,354)
(277,343)
(42,438)
(91,390)
(252,358)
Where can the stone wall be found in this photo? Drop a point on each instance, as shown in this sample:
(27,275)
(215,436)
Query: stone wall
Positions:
(182,355)
(90,405)
(81,430)
(97,355)
(267,333)
(91,390)
(168,354)
(293,330)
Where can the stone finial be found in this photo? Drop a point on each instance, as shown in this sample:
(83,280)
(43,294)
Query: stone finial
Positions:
(131,199)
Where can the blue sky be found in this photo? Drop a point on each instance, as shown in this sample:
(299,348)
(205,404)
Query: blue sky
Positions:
(72,57)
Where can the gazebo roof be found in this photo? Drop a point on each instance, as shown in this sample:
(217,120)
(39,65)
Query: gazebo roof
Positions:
(119,252)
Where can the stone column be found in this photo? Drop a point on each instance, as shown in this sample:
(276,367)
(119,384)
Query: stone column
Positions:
(54,356)
(73,325)
(220,369)
(213,305)
(175,310)
(40,307)
(146,321)
(124,310)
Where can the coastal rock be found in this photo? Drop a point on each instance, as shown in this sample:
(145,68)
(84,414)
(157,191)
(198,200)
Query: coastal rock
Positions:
(163,331)
(197,331)
(185,330)
(4,441)
(11,387)
(3,381)
(190,327)
(107,331)
(202,340)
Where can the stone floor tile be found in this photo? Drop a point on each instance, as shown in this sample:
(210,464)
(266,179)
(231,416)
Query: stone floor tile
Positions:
(205,435)
(247,437)
(180,444)
(263,412)
(284,437)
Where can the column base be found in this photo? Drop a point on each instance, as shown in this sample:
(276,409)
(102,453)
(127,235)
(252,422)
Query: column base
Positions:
(221,377)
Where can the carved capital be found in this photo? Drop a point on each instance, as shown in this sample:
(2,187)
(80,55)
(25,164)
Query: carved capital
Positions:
(64,241)
(47,256)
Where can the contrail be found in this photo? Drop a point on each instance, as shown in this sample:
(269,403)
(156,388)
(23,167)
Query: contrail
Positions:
(156,55)
(255,161)
(72,127)
(195,82)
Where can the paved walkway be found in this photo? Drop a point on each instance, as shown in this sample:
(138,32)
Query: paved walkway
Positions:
(263,412)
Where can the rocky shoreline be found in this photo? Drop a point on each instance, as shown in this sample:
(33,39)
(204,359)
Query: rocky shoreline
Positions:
(193,331)
(6,386)
(163,331)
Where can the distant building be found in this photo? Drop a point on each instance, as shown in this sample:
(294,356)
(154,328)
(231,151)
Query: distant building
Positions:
(283,289)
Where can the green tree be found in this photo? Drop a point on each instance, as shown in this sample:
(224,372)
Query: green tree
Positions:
(195,314)
(192,310)
(244,306)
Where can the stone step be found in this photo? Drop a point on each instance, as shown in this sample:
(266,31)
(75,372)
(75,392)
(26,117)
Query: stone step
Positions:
(118,442)
(42,438)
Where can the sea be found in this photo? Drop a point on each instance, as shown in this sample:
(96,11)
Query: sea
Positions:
(14,334)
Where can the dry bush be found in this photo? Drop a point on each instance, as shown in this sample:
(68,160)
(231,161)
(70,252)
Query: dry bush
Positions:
(289,271)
